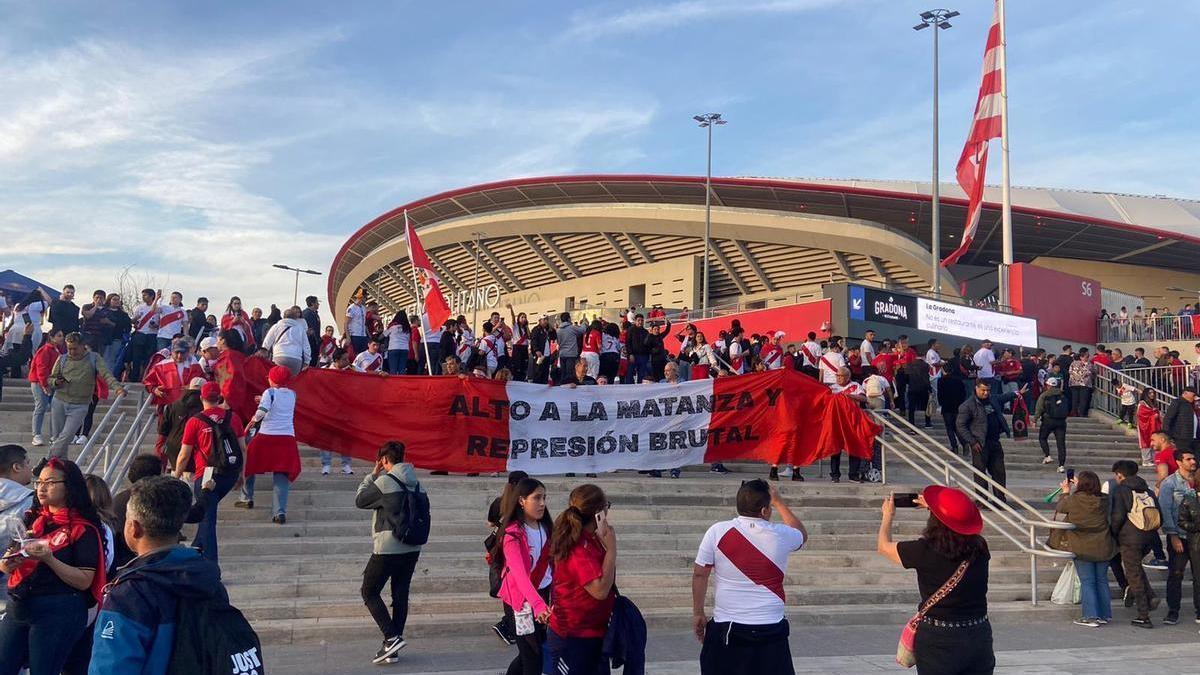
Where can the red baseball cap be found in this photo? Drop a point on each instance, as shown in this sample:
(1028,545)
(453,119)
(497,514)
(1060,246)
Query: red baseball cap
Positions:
(954,508)
(211,391)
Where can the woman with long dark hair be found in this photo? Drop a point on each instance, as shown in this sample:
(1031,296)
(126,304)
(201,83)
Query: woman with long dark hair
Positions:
(236,319)
(590,352)
(584,554)
(522,553)
(60,575)
(399,337)
(519,363)
(953,635)
(1149,420)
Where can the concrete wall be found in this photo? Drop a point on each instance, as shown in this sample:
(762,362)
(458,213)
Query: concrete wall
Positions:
(1147,282)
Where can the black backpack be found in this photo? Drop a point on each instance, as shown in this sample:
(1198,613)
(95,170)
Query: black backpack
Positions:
(225,453)
(411,523)
(1057,407)
(213,638)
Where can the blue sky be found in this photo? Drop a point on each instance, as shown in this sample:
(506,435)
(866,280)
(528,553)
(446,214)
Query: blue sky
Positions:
(203,141)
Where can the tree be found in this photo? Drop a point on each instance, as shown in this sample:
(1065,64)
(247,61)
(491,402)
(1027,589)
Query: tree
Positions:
(130,284)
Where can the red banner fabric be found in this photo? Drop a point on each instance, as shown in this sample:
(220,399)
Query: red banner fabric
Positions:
(475,425)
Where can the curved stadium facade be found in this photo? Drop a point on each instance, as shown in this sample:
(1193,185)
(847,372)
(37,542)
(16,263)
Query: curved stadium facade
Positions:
(560,243)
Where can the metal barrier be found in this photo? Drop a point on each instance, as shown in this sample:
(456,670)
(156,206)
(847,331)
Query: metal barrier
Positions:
(1136,329)
(104,456)
(1012,519)
(99,429)
(1162,379)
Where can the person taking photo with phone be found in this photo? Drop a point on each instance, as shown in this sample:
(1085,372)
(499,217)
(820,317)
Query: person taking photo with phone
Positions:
(522,553)
(1087,508)
(584,556)
(748,632)
(953,635)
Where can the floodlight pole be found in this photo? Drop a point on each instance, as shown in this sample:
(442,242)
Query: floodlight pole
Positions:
(296,286)
(937,18)
(707,121)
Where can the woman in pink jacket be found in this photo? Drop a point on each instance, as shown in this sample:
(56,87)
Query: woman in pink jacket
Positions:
(523,554)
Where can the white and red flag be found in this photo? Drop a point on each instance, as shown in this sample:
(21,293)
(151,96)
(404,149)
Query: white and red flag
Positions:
(429,286)
(479,425)
(987,124)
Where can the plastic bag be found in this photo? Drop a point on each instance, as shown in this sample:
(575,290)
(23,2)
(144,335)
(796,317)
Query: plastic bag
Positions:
(1066,591)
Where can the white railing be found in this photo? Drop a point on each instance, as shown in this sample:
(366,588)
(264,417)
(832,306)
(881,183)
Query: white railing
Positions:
(1163,379)
(1014,519)
(112,462)
(1144,329)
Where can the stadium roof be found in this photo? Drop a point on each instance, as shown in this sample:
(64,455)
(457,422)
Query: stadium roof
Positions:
(1151,231)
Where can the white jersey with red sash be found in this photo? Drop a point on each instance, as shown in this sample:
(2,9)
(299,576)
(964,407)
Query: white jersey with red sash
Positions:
(737,361)
(850,389)
(490,346)
(466,342)
(366,362)
(811,353)
(170,321)
(831,362)
(144,319)
(326,350)
(772,357)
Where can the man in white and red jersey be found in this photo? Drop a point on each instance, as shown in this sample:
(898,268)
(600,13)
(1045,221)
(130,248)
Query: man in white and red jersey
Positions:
(172,320)
(772,354)
(737,352)
(326,348)
(490,347)
(831,362)
(370,361)
(747,632)
(810,356)
(144,340)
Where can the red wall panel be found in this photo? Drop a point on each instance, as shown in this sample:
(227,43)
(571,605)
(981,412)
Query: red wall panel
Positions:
(1065,305)
(795,320)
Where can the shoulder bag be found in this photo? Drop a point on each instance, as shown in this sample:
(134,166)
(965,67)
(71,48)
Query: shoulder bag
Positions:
(905,655)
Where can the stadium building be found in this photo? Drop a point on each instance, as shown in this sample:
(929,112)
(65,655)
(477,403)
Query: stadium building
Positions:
(603,242)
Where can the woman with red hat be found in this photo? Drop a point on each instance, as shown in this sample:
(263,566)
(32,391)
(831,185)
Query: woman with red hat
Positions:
(273,449)
(952,633)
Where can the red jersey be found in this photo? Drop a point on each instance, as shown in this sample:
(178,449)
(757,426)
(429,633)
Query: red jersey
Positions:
(1008,370)
(1167,457)
(591,342)
(199,435)
(172,377)
(576,613)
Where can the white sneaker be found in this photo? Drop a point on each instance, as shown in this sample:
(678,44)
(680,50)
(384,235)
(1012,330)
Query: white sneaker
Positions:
(347,471)
(324,471)
(80,439)
(1047,460)
(37,441)
(785,471)
(1061,469)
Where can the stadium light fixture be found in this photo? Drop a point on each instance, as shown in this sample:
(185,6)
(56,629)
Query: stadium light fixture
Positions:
(298,271)
(938,19)
(707,121)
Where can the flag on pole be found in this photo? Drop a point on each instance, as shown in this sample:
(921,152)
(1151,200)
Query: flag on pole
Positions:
(429,287)
(972,165)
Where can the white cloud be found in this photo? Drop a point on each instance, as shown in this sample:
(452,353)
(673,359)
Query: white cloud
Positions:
(593,25)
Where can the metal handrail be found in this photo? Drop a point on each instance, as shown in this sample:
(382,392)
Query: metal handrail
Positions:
(133,425)
(926,460)
(1139,378)
(115,477)
(98,429)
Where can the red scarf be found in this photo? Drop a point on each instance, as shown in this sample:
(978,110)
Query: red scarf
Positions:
(71,527)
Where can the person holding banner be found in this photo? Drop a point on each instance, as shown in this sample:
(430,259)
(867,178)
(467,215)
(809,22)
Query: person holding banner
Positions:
(519,362)
(584,554)
(810,353)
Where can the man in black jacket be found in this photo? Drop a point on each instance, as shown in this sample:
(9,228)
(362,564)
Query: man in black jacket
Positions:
(1131,540)
(312,318)
(1180,420)
(636,337)
(541,341)
(980,423)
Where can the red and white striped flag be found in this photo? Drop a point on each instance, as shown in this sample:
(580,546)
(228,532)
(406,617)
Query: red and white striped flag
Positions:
(972,165)
(429,285)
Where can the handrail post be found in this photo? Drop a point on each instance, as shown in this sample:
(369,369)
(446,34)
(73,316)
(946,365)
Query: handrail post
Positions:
(883,463)
(1033,581)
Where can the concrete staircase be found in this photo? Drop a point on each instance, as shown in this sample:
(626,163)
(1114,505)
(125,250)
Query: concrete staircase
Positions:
(299,583)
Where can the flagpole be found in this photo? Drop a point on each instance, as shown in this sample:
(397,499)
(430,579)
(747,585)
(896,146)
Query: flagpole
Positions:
(1005,198)
(417,295)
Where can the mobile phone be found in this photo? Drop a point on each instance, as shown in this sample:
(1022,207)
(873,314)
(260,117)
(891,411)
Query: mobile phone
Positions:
(905,500)
(601,522)
(1070,475)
